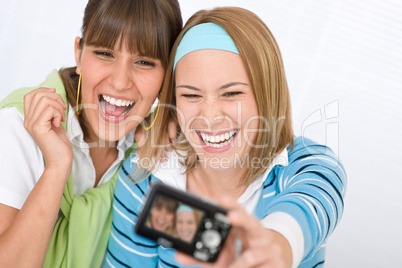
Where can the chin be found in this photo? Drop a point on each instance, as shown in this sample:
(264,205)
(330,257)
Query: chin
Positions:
(112,135)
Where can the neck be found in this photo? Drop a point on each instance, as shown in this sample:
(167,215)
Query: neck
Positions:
(102,159)
(103,154)
(214,183)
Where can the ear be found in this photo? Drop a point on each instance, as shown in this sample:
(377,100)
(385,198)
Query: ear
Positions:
(77,51)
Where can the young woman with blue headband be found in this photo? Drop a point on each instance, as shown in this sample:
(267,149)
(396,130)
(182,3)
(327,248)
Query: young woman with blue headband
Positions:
(186,223)
(226,88)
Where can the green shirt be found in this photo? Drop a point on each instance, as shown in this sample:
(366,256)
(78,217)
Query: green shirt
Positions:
(82,230)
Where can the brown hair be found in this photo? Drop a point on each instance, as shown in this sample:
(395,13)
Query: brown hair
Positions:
(263,62)
(170,205)
(149,27)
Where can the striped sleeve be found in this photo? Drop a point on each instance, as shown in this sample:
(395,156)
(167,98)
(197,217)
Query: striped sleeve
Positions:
(125,247)
(311,189)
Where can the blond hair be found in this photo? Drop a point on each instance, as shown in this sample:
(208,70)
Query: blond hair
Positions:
(263,62)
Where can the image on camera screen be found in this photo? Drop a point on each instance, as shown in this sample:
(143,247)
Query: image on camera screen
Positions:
(174,218)
(183,221)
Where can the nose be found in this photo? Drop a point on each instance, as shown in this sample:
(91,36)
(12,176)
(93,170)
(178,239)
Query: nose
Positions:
(120,76)
(166,216)
(212,111)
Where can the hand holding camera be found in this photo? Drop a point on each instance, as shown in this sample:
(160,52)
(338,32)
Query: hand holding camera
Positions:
(249,244)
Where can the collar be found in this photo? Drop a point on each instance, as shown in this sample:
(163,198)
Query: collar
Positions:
(281,160)
(172,172)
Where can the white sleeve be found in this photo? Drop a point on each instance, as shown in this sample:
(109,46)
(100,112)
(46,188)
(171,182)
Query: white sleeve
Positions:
(287,226)
(21,161)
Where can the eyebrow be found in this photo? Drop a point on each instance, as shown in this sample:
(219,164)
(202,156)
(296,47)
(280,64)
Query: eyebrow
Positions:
(225,86)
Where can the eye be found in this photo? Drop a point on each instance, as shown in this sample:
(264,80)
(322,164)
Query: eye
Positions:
(158,209)
(101,53)
(232,94)
(146,63)
(190,96)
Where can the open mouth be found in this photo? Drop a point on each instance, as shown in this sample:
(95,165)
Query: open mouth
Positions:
(160,222)
(218,141)
(114,108)
(186,235)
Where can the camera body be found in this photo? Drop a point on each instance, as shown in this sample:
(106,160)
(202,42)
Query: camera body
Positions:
(201,236)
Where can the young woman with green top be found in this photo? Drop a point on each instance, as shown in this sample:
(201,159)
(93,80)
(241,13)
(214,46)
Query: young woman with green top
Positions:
(62,142)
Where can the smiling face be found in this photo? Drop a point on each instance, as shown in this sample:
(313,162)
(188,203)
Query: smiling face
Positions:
(161,218)
(118,89)
(186,225)
(217,110)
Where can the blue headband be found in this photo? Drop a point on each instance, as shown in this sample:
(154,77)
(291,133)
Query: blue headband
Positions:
(204,36)
(184,208)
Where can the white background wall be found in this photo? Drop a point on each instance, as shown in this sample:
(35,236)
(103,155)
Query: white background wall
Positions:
(344,66)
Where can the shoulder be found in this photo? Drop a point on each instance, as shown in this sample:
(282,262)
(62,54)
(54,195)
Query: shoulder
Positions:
(11,114)
(306,151)
(131,181)
(12,128)
(130,174)
(305,146)
(16,97)
(21,160)
(310,159)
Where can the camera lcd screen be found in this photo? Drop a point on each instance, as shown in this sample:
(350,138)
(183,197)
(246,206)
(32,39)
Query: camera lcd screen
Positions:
(183,221)
(174,218)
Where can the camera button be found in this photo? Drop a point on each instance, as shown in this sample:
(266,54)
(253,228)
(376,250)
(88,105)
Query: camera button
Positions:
(201,255)
(211,238)
(199,245)
(208,225)
(222,218)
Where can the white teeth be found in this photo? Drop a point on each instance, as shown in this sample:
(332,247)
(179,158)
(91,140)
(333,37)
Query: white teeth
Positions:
(218,141)
(117,102)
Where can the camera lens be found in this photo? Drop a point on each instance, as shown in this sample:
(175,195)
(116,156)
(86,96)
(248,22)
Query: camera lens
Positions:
(211,238)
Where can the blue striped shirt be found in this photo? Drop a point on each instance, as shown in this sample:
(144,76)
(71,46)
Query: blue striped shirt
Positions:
(310,189)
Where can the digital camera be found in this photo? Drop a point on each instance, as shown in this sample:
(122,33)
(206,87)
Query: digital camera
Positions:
(183,221)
